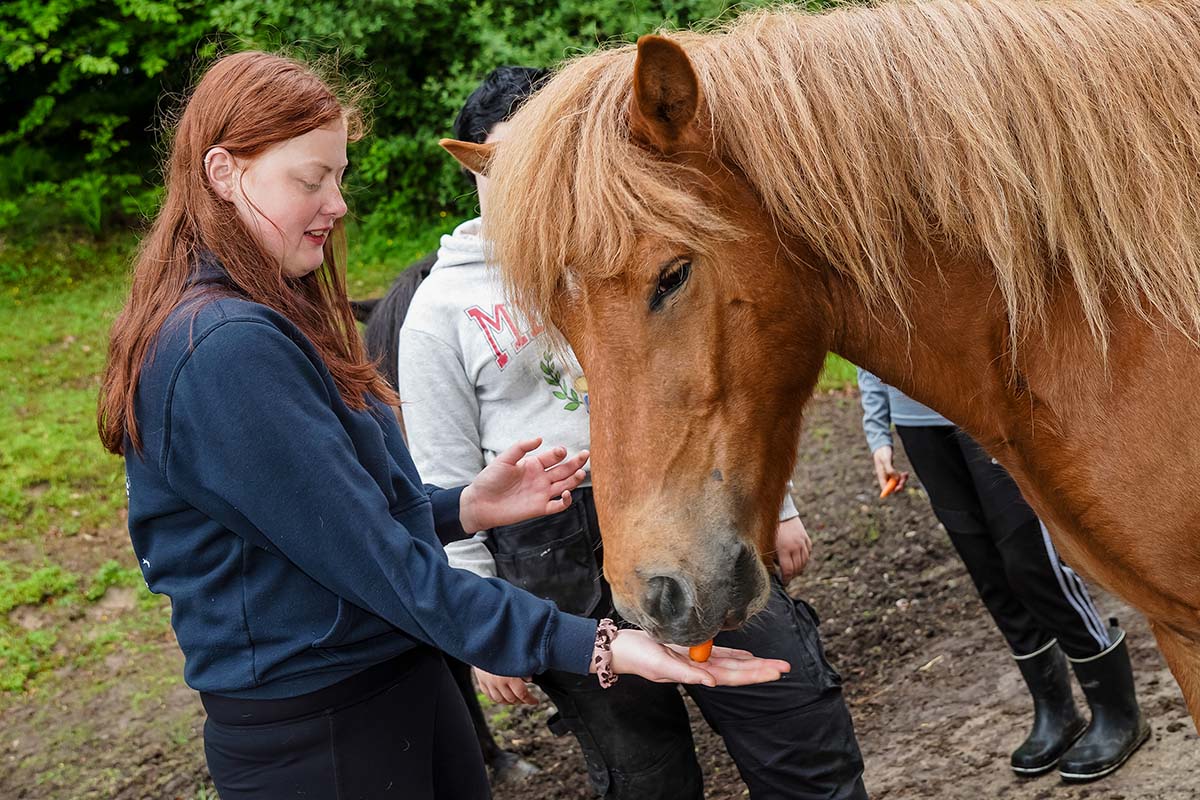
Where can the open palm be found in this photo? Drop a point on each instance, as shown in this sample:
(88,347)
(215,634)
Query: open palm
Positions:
(517,486)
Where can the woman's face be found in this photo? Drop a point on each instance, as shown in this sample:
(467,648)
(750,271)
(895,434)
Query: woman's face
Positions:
(289,196)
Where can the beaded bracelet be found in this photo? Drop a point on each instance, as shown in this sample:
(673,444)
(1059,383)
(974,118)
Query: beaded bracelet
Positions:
(606,631)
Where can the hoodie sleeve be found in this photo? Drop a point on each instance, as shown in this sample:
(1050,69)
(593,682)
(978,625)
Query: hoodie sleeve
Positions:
(877,415)
(441,412)
(253,441)
(788,509)
(441,417)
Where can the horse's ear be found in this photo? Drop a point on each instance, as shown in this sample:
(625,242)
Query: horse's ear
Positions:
(666,93)
(474,157)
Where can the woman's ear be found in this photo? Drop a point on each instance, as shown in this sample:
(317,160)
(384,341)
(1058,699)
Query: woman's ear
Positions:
(221,171)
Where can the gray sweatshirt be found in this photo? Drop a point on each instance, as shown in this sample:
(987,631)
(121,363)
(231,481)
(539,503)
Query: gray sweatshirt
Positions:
(884,406)
(475,378)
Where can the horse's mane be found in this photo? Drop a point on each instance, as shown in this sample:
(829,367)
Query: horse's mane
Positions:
(1061,138)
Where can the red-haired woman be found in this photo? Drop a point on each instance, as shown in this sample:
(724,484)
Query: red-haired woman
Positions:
(271,495)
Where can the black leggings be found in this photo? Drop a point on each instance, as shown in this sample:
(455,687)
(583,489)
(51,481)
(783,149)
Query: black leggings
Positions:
(1032,596)
(396,730)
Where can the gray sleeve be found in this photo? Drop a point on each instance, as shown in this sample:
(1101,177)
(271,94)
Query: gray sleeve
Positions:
(441,413)
(441,419)
(472,555)
(877,414)
(788,509)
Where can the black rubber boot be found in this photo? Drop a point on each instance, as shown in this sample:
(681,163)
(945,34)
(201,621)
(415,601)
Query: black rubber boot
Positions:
(1056,721)
(1117,728)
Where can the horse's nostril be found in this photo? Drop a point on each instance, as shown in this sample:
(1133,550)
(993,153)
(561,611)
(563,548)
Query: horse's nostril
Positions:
(746,565)
(666,599)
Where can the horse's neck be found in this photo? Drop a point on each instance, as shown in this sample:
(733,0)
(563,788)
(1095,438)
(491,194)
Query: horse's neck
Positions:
(947,348)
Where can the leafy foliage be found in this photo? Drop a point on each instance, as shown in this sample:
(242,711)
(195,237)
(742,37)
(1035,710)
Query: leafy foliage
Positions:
(87,85)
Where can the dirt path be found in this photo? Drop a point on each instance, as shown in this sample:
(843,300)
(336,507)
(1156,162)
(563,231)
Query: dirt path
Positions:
(937,701)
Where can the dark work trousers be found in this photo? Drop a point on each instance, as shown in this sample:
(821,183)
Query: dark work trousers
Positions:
(1032,596)
(396,730)
(792,738)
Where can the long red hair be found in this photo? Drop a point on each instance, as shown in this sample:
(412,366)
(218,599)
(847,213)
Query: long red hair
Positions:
(246,103)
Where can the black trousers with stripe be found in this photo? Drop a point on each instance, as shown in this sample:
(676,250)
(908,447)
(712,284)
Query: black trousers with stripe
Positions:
(1032,596)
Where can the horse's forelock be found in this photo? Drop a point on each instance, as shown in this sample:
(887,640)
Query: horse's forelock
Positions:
(572,194)
(1042,135)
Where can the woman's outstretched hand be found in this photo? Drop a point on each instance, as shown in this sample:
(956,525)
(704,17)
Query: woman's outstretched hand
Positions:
(518,486)
(635,653)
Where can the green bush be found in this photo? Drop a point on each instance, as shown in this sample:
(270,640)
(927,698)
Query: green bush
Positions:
(85,83)
(81,82)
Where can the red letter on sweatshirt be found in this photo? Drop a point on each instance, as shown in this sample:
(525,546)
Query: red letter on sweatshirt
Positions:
(494,323)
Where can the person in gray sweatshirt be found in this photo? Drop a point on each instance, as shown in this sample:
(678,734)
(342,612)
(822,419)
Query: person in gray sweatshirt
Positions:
(472,374)
(1039,604)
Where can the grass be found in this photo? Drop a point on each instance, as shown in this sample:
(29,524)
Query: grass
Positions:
(54,475)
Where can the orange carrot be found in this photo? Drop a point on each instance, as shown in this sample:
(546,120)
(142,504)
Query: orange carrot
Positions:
(701,652)
(889,487)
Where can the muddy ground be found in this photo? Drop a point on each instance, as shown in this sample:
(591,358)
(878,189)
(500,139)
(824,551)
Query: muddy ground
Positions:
(937,701)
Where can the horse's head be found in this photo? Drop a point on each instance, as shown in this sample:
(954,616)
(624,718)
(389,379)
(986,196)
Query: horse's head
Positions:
(698,332)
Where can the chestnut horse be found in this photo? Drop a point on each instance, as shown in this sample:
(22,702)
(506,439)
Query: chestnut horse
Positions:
(994,205)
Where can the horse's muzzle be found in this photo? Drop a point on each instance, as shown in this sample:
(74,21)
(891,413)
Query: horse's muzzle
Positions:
(676,608)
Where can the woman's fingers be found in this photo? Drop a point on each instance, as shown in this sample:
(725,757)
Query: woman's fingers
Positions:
(567,483)
(732,671)
(725,667)
(519,450)
(881,475)
(732,652)
(508,690)
(751,664)
(559,503)
(725,652)
(559,466)
(552,456)
(787,565)
(566,470)
(744,673)
(524,695)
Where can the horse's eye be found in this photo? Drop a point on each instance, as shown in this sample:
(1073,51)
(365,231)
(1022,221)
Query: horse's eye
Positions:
(670,279)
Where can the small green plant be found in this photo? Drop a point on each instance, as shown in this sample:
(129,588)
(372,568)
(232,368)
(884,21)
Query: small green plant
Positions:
(20,586)
(112,573)
(23,654)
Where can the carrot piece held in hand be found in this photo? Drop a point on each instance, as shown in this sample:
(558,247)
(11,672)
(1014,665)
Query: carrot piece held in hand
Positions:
(701,652)
(889,487)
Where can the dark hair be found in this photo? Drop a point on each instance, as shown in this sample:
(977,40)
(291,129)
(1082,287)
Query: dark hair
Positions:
(494,101)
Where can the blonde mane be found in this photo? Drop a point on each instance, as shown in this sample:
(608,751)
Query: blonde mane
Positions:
(1060,138)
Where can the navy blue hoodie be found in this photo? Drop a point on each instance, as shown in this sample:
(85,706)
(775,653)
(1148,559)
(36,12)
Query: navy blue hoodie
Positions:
(292,533)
